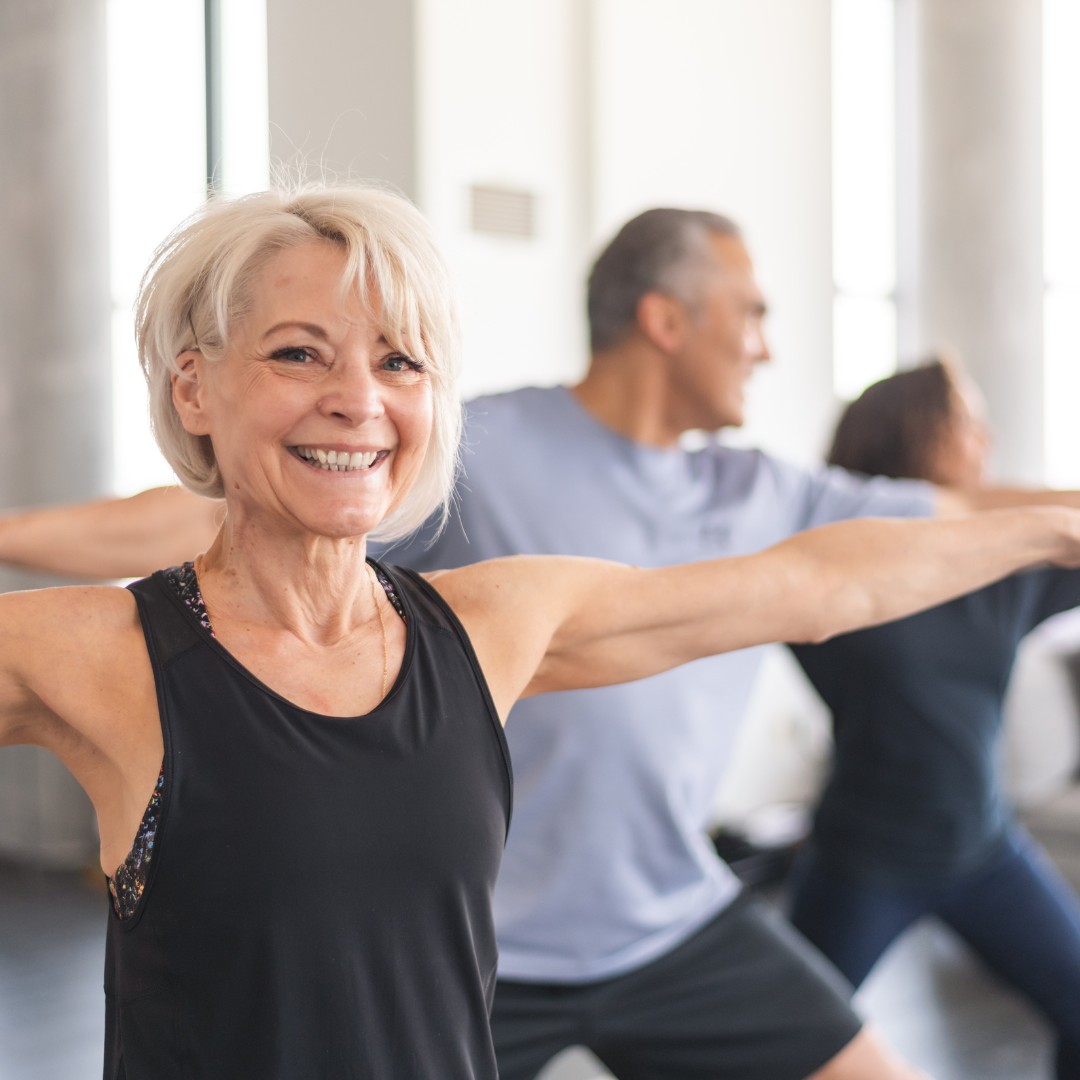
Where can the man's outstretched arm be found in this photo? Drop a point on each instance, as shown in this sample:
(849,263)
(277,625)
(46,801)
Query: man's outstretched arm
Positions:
(111,538)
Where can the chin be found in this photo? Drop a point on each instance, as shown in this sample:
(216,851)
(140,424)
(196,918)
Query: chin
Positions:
(347,524)
(727,418)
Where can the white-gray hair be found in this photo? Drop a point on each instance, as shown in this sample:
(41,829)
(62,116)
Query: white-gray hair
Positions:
(198,286)
(661,250)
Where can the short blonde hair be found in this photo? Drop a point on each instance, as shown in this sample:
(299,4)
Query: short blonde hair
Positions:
(198,286)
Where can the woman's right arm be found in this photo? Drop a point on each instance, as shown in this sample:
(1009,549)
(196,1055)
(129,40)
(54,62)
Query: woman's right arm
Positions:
(63,657)
(111,538)
(75,679)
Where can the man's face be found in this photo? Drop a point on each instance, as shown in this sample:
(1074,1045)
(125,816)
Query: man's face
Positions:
(723,339)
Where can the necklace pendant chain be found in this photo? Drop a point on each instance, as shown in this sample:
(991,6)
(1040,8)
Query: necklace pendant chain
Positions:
(382,629)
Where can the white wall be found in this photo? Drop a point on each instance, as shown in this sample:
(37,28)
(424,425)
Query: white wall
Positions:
(500,102)
(341,88)
(727,107)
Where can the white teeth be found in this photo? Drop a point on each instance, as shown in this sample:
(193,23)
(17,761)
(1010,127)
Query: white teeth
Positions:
(338,461)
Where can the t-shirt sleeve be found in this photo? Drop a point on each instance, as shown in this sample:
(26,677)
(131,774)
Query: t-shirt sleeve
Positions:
(831,494)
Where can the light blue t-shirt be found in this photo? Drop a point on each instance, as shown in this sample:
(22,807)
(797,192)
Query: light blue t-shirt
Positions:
(608,864)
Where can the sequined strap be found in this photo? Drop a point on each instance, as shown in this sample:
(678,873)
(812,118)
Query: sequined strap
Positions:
(391,593)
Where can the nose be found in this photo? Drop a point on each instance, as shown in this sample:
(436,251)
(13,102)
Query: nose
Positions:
(350,392)
(756,344)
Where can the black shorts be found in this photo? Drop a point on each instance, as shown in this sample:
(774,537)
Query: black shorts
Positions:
(745,998)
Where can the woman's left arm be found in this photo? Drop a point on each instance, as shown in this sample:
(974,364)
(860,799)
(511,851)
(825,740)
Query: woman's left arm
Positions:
(541,624)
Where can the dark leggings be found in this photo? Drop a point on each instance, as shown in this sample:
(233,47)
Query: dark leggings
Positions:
(1016,912)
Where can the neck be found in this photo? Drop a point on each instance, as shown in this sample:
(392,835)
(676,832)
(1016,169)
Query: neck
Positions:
(627,390)
(313,586)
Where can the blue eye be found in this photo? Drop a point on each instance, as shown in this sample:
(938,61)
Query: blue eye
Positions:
(293,354)
(398,362)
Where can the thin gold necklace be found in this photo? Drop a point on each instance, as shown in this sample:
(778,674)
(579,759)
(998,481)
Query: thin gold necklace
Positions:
(382,629)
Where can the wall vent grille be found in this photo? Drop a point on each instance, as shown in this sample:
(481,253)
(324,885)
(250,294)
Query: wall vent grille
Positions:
(502,211)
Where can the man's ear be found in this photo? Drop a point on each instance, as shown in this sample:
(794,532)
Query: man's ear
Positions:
(661,318)
(188,392)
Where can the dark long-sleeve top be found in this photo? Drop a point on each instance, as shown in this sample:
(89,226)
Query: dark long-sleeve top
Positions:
(914,793)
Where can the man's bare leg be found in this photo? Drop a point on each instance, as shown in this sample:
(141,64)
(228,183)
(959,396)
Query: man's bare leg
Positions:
(868,1057)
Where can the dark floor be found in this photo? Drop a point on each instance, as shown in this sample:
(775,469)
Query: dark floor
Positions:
(52,949)
(927,994)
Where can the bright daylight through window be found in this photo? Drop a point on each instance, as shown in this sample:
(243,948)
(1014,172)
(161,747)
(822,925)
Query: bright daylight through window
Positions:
(158,164)
(864,194)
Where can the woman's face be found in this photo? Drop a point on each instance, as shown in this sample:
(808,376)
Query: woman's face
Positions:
(960,456)
(315,420)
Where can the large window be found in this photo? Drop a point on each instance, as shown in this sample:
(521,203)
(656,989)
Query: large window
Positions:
(159,117)
(864,193)
(240,107)
(1061,240)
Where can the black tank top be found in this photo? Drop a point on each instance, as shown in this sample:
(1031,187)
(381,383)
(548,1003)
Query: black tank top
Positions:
(319,902)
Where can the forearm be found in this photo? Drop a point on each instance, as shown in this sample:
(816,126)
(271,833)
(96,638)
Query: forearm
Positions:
(975,500)
(870,571)
(110,538)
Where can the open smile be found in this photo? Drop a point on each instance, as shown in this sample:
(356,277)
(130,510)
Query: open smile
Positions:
(339,460)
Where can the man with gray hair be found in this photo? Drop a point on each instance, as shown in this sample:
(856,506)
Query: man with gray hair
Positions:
(619,928)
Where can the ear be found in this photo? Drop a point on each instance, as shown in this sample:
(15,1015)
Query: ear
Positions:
(189,392)
(661,318)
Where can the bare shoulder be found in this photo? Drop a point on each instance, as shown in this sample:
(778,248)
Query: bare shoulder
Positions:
(514,577)
(72,613)
(66,655)
(513,608)
(551,588)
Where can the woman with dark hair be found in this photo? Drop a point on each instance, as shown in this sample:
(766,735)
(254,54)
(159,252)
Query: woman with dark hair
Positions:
(912,821)
(925,423)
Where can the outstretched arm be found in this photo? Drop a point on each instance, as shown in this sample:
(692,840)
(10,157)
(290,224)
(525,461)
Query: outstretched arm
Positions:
(581,623)
(111,538)
(998,497)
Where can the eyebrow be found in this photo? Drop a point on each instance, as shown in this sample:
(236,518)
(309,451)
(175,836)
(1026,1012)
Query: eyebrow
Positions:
(294,324)
(314,329)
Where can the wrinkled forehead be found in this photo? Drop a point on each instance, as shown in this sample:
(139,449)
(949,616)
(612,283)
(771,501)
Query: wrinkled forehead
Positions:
(318,281)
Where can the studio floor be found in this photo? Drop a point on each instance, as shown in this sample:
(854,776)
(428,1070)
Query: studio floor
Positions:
(928,996)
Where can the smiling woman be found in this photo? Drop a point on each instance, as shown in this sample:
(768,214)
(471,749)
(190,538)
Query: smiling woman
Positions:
(326,397)
(295,753)
(276,261)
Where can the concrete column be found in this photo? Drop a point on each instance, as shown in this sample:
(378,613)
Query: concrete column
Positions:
(970,207)
(342,93)
(54,333)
